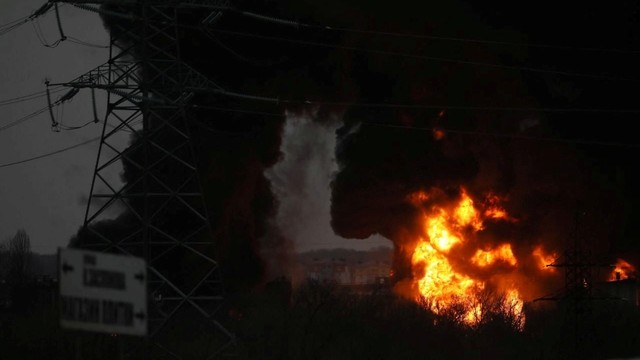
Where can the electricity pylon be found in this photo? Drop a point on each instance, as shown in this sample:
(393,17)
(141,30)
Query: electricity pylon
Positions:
(163,216)
(578,293)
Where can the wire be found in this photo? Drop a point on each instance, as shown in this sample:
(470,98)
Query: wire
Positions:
(458,107)
(24,119)
(50,153)
(510,136)
(392,53)
(41,36)
(433,37)
(11,23)
(275,100)
(28,97)
(61,100)
(80,42)
(421,57)
(297,24)
(8,27)
(447,130)
(68,128)
(222,132)
(206,107)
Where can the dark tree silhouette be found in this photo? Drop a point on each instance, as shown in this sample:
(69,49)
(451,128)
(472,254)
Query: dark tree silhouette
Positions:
(19,257)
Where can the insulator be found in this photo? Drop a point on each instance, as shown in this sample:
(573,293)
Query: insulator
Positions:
(68,96)
(43,9)
(62,36)
(54,123)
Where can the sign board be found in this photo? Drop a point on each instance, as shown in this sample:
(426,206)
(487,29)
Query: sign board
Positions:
(102,292)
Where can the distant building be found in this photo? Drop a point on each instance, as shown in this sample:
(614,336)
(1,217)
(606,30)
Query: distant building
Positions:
(330,272)
(370,273)
(625,290)
(361,277)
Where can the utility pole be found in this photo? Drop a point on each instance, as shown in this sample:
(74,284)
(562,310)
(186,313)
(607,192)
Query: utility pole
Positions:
(165,218)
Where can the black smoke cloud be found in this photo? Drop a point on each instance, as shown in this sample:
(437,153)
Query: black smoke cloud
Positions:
(382,157)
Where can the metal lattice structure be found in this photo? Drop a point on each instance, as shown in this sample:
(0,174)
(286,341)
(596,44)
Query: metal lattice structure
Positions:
(578,294)
(146,136)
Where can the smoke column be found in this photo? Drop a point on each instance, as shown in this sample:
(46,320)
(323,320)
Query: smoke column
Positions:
(301,183)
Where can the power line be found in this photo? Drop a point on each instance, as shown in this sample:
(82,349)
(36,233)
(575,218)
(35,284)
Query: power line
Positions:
(41,37)
(432,37)
(460,107)
(510,136)
(63,37)
(297,24)
(8,27)
(11,23)
(275,100)
(49,154)
(68,128)
(29,97)
(24,119)
(14,25)
(448,130)
(241,111)
(385,52)
(85,43)
(61,100)
(419,57)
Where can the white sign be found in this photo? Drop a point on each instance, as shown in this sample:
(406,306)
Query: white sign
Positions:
(102,292)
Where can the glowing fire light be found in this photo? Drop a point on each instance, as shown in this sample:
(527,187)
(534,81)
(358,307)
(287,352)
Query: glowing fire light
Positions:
(439,284)
(623,270)
(544,259)
(438,134)
(466,214)
(502,253)
(494,210)
(440,236)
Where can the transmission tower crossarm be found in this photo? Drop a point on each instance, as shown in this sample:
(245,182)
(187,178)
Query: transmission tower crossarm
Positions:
(123,75)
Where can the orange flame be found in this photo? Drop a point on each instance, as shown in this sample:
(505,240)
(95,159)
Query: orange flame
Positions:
(494,210)
(623,270)
(543,259)
(438,134)
(439,284)
(502,253)
(466,213)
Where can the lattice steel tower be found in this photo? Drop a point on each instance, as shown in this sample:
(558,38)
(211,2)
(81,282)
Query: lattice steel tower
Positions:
(578,294)
(160,205)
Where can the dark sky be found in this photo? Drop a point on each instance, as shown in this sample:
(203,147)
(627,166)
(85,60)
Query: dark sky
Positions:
(552,163)
(533,161)
(500,103)
(45,196)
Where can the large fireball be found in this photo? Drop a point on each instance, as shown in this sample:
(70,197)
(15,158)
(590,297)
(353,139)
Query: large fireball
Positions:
(441,282)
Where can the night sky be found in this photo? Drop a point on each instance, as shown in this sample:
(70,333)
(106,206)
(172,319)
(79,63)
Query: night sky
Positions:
(497,102)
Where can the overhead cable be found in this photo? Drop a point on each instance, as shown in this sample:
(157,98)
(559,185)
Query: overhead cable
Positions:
(28,97)
(369,50)
(6,28)
(24,119)
(298,24)
(275,100)
(454,131)
(423,57)
(50,153)
(510,135)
